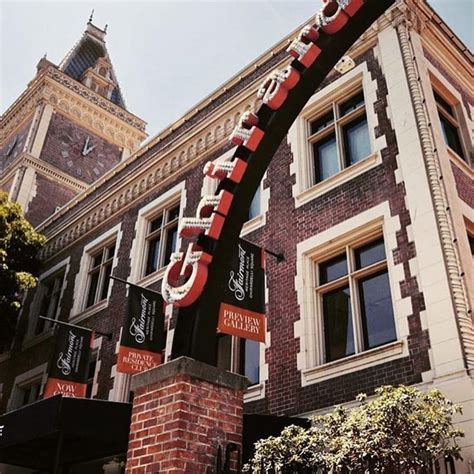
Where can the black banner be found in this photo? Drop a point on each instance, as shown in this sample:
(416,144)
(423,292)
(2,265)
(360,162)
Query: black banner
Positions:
(242,311)
(70,362)
(143,336)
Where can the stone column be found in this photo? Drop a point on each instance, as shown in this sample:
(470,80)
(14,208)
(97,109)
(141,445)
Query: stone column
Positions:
(183,411)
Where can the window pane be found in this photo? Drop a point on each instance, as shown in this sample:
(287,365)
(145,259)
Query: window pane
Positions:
(106,281)
(156,224)
(445,105)
(356,140)
(471,243)
(224,347)
(369,254)
(153,255)
(254,210)
(252,360)
(110,252)
(333,269)
(171,238)
(338,332)
(173,214)
(325,158)
(352,104)
(26,396)
(451,135)
(377,311)
(96,260)
(93,282)
(322,123)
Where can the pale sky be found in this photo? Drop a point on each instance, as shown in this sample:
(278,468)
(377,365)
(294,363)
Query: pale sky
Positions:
(168,55)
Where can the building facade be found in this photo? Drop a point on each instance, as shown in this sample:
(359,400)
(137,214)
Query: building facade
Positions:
(370,199)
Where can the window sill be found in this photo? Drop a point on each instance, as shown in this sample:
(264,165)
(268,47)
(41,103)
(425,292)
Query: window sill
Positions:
(253,224)
(254,392)
(353,363)
(152,277)
(340,178)
(89,311)
(33,340)
(460,163)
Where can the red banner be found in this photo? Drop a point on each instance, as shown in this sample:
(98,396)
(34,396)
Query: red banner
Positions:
(241,322)
(132,361)
(65,388)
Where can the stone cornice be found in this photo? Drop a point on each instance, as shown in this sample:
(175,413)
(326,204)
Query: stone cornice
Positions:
(45,169)
(79,103)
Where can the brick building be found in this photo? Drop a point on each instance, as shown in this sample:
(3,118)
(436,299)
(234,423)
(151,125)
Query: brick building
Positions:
(370,199)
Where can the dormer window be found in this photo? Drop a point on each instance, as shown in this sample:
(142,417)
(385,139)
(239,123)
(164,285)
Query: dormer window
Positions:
(103,71)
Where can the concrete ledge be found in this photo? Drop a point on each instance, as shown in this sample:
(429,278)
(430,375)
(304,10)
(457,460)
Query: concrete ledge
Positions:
(193,368)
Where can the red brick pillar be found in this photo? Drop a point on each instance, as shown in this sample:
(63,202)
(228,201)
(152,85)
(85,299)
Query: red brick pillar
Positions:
(182,412)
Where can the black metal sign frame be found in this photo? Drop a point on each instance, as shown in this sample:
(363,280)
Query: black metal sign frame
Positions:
(195,334)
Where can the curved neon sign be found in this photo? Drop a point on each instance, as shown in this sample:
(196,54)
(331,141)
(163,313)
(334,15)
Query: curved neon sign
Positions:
(193,281)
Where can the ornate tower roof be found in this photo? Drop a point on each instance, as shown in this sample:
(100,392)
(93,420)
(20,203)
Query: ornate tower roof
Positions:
(89,62)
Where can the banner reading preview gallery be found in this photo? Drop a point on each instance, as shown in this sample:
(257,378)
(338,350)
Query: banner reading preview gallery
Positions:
(143,338)
(242,311)
(67,373)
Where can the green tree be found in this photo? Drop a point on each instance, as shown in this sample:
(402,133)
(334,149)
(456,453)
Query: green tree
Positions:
(19,264)
(400,429)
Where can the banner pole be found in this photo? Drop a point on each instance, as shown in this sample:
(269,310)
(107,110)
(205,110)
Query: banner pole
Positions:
(108,335)
(121,280)
(279,256)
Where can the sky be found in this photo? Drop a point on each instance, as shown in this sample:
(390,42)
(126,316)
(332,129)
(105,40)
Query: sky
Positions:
(167,55)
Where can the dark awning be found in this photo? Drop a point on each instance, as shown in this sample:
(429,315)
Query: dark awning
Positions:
(75,429)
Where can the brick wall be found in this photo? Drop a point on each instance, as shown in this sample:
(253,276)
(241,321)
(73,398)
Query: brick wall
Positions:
(181,415)
(286,226)
(464,185)
(49,195)
(63,146)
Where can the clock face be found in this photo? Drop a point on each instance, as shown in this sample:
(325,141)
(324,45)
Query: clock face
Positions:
(13,148)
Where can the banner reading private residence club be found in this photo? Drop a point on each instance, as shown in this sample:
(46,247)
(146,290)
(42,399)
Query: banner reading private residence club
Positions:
(242,311)
(143,337)
(68,368)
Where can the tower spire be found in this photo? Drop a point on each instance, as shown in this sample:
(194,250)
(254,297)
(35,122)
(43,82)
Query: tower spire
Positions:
(91,17)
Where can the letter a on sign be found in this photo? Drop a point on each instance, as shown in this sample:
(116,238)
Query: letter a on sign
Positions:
(242,311)
(68,368)
(143,337)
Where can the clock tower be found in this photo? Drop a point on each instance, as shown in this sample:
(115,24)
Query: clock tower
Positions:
(67,129)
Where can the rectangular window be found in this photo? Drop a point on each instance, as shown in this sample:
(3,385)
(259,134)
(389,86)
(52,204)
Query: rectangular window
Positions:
(239,355)
(28,393)
(91,374)
(355,300)
(49,296)
(339,138)
(98,275)
(161,238)
(449,124)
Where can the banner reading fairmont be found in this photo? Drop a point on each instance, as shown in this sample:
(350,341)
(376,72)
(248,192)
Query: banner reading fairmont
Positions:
(142,339)
(68,366)
(242,311)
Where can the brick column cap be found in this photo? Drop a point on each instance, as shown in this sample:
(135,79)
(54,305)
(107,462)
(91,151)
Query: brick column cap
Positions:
(193,368)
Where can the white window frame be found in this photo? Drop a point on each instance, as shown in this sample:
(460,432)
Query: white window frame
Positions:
(304,189)
(33,313)
(451,95)
(25,380)
(360,229)
(175,195)
(78,310)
